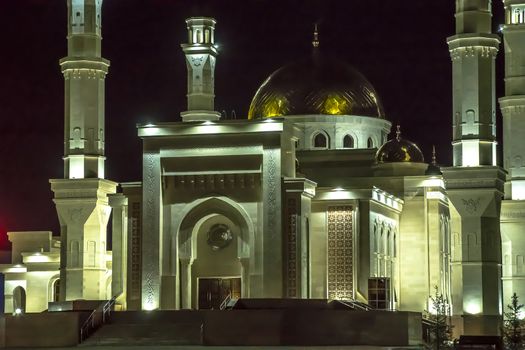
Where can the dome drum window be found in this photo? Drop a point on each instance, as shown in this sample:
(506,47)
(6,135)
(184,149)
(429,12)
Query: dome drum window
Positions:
(348,142)
(320,140)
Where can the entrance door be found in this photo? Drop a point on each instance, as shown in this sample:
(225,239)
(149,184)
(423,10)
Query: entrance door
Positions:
(213,291)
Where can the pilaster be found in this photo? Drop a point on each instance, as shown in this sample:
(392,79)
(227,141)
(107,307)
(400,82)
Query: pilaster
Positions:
(272,229)
(151,230)
(119,204)
(298,194)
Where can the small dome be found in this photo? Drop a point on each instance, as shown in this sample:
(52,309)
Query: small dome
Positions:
(317,85)
(399,150)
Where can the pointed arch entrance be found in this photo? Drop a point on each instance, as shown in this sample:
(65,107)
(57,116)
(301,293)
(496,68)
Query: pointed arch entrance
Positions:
(215,249)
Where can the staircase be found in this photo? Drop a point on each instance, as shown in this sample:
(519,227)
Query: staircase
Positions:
(133,328)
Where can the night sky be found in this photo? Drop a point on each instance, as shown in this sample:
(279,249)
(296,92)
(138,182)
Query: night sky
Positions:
(398,45)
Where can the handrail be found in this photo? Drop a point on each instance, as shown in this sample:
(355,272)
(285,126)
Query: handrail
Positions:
(225,302)
(356,305)
(90,324)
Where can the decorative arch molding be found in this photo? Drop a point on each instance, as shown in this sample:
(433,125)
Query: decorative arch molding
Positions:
(51,287)
(349,136)
(194,212)
(319,133)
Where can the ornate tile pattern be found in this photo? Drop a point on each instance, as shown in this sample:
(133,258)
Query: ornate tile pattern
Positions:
(340,257)
(136,248)
(291,249)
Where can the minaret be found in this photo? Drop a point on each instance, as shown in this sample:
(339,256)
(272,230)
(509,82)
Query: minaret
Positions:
(201,55)
(513,104)
(513,111)
(473,50)
(475,182)
(81,197)
(84,72)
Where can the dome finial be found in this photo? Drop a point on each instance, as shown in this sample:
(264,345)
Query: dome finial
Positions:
(398,132)
(434,162)
(315,42)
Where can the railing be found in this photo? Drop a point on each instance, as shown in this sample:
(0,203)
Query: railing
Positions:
(225,302)
(356,305)
(97,318)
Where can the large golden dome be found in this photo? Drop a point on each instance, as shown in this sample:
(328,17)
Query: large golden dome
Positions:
(316,85)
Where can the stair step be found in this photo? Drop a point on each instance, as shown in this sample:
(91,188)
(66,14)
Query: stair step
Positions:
(144,334)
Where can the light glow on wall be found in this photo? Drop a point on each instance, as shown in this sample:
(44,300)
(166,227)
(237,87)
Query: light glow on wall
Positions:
(472,307)
(149,306)
(470,153)
(76,167)
(518,190)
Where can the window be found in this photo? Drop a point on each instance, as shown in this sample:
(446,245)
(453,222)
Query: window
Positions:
(348,142)
(56,290)
(379,293)
(370,143)
(320,141)
(518,16)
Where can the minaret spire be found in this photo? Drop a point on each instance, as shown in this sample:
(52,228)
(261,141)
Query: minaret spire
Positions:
(84,72)
(398,133)
(434,161)
(315,41)
(201,55)
(473,51)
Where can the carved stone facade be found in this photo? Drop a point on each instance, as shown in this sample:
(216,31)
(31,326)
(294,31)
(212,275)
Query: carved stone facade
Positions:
(340,253)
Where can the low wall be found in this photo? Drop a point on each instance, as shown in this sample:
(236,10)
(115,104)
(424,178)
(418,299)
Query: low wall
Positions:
(312,327)
(48,329)
(2,331)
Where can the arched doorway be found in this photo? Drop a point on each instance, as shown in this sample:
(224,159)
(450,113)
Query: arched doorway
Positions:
(215,247)
(216,270)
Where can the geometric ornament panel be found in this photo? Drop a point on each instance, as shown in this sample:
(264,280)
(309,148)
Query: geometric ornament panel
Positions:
(340,259)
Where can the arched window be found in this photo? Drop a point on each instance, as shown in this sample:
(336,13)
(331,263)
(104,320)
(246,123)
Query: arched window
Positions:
(207,36)
(348,142)
(56,290)
(370,143)
(320,140)
(518,16)
(19,300)
(199,37)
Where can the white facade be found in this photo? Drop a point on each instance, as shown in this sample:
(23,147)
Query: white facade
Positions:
(287,204)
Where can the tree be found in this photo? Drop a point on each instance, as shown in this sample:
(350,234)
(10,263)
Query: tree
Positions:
(512,324)
(439,317)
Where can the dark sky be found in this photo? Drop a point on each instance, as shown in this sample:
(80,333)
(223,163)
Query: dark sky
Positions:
(398,45)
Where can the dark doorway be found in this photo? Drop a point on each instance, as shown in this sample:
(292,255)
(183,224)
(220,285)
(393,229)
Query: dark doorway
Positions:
(213,291)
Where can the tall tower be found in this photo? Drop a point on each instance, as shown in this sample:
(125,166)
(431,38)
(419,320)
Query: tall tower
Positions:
(81,197)
(84,72)
(475,182)
(473,50)
(513,111)
(513,104)
(201,55)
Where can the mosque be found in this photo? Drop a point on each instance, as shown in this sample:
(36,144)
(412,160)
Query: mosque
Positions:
(306,198)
